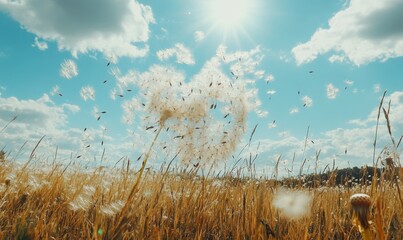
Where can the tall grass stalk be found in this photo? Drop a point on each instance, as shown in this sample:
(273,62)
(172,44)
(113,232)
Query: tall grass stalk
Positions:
(136,184)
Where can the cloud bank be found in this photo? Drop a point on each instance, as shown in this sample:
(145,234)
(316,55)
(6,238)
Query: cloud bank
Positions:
(366,31)
(111,27)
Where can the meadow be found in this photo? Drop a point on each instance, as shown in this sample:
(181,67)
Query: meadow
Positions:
(67,203)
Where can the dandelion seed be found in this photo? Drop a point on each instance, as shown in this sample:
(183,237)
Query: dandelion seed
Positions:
(348,82)
(269,78)
(331,91)
(271,92)
(87,93)
(112,208)
(83,201)
(68,69)
(55,90)
(294,110)
(293,204)
(272,125)
(308,102)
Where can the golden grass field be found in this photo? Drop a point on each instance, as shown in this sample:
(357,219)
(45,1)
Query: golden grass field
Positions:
(62,203)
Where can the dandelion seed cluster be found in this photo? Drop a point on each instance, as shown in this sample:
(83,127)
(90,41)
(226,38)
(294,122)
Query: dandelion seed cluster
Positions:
(204,116)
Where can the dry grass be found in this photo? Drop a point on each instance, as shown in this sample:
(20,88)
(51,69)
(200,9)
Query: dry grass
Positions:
(59,204)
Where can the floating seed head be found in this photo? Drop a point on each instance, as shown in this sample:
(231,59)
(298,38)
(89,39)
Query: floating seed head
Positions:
(361,204)
(293,204)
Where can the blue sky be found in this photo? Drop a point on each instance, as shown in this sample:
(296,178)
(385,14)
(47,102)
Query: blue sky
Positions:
(284,65)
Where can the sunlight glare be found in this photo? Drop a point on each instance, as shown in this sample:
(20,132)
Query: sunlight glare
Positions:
(229,14)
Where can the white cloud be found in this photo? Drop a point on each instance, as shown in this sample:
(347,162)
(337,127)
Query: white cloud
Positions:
(285,57)
(367,30)
(331,91)
(199,36)
(337,58)
(351,146)
(396,111)
(182,54)
(162,34)
(68,69)
(112,27)
(40,45)
(35,118)
(2,89)
(71,107)
(40,111)
(43,117)
(87,92)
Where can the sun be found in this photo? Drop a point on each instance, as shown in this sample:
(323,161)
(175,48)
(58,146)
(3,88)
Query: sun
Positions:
(229,14)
